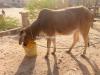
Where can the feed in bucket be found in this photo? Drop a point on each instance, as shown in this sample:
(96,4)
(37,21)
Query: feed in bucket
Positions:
(30,49)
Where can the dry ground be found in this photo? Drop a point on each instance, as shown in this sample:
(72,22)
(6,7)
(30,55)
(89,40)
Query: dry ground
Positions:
(14,62)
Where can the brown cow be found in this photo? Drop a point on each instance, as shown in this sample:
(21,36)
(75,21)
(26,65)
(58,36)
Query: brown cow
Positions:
(64,21)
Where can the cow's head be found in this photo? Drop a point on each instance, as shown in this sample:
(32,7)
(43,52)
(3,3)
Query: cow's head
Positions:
(25,37)
(29,34)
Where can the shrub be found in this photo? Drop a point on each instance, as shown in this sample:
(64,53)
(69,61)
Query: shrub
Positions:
(7,23)
(34,6)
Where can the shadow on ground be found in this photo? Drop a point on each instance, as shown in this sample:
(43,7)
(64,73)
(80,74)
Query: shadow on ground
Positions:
(55,67)
(27,66)
(93,65)
(82,66)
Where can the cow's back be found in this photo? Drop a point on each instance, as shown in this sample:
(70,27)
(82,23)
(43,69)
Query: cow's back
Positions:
(73,15)
(65,20)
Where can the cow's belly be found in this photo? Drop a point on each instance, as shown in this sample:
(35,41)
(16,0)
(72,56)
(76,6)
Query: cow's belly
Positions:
(66,30)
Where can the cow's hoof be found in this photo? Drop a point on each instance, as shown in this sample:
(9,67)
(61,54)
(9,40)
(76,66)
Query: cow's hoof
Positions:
(46,56)
(83,55)
(53,53)
(68,52)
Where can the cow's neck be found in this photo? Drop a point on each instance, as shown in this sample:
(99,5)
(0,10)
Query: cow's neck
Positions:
(36,29)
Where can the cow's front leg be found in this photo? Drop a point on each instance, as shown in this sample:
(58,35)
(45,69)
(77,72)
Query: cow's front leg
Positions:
(54,44)
(48,47)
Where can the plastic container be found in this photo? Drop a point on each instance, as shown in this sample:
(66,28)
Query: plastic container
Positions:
(30,49)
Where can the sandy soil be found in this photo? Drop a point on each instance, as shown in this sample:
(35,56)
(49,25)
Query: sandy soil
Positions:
(14,62)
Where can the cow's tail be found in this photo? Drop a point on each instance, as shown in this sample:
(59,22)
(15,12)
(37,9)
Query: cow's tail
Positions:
(93,20)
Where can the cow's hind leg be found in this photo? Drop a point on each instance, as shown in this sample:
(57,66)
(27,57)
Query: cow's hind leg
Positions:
(75,40)
(84,33)
(48,47)
(86,42)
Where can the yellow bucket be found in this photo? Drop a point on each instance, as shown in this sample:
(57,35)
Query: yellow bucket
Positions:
(30,49)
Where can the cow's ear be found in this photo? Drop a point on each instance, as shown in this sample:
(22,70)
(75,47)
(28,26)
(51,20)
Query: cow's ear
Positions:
(22,35)
(22,32)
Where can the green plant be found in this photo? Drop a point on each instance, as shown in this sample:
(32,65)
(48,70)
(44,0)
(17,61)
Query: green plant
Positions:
(7,23)
(34,6)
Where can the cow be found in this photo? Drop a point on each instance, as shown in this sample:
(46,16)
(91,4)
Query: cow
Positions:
(76,20)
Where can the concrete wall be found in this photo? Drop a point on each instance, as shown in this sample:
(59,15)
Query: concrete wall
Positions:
(87,3)
(13,3)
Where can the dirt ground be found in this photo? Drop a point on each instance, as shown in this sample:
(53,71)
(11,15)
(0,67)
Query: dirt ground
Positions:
(14,62)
